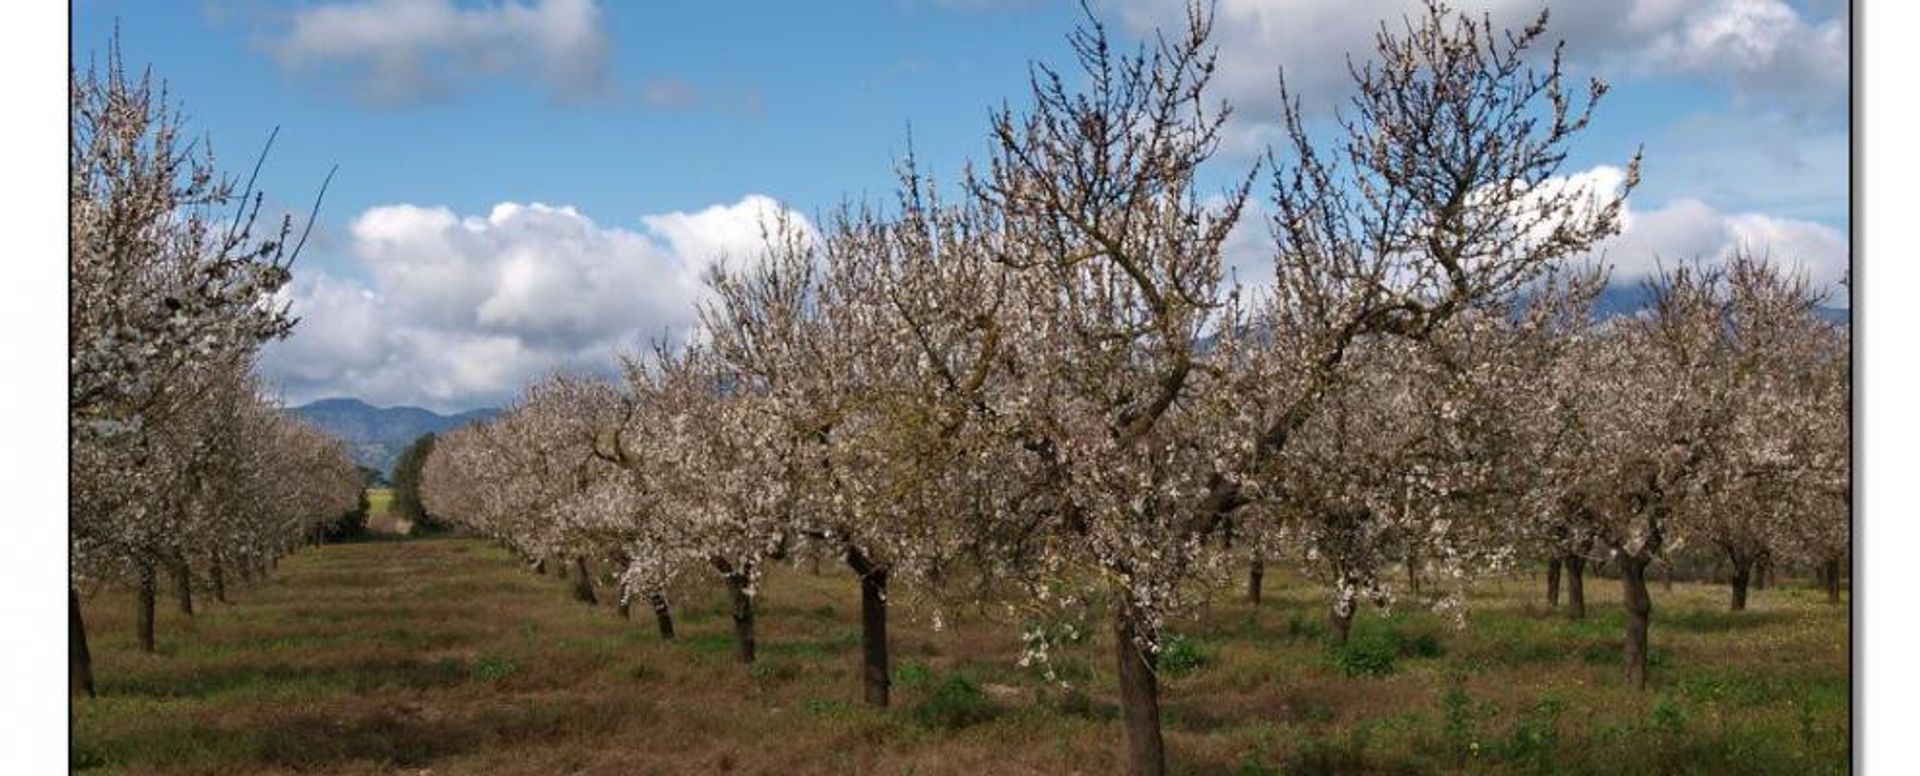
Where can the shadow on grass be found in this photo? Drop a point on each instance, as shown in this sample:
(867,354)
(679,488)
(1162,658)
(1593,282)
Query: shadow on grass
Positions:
(397,735)
(356,676)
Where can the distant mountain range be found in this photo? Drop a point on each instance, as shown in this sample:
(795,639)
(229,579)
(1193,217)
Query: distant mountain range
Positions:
(376,436)
(1627,299)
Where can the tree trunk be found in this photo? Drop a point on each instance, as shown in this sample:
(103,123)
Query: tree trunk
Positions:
(1553,583)
(1256,578)
(1576,570)
(662,615)
(1139,695)
(218,578)
(1666,576)
(624,609)
(79,660)
(143,605)
(1742,576)
(583,582)
(540,566)
(1832,579)
(1413,574)
(182,584)
(873,626)
(1341,623)
(742,616)
(1639,605)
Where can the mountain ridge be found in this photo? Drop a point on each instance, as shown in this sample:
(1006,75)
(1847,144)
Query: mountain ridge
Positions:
(376,436)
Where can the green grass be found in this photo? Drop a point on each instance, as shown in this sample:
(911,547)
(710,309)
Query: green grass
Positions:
(445,654)
(380,516)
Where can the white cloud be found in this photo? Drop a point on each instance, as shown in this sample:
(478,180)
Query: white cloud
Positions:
(1685,230)
(1679,231)
(1765,50)
(463,311)
(402,51)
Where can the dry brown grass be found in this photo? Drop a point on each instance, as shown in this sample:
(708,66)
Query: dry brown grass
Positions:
(442,655)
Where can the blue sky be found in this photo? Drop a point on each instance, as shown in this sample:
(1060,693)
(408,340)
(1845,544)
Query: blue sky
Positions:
(656,135)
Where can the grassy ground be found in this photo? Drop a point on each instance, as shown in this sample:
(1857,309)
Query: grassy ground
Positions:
(380,516)
(442,655)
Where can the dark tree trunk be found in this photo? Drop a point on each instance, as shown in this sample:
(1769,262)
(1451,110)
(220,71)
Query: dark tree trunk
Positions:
(1666,576)
(1341,624)
(1831,577)
(873,626)
(1742,576)
(143,605)
(1413,574)
(540,566)
(1256,578)
(662,615)
(79,660)
(1553,583)
(182,584)
(624,609)
(742,616)
(1139,695)
(1639,605)
(217,577)
(583,582)
(1576,571)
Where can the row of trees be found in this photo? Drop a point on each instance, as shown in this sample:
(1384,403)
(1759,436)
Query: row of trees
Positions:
(1047,394)
(178,461)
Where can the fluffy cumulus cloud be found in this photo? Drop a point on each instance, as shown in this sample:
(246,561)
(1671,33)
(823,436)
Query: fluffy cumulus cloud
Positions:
(404,51)
(1688,230)
(462,311)
(1679,231)
(1766,51)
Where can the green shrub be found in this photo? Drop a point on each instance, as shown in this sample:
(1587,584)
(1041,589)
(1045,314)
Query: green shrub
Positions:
(1179,654)
(1536,736)
(1368,655)
(1418,645)
(952,703)
(912,675)
(824,707)
(493,669)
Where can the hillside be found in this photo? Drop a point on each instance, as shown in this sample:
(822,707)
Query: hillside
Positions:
(377,435)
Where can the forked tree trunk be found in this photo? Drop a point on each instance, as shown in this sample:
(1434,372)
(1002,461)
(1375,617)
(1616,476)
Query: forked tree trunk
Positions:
(583,582)
(1639,605)
(182,584)
(1553,583)
(742,616)
(1832,580)
(143,605)
(873,626)
(79,660)
(1139,694)
(1576,570)
(1737,582)
(1256,579)
(662,615)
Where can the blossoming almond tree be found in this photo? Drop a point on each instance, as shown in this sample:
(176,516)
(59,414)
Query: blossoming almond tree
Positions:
(171,285)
